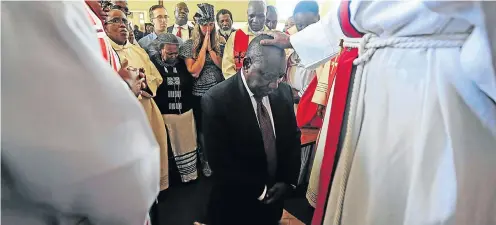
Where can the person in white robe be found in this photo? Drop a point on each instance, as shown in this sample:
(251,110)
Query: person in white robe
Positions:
(77,147)
(421,135)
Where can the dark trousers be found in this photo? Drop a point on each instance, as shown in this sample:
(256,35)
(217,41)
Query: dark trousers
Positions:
(228,207)
(197,113)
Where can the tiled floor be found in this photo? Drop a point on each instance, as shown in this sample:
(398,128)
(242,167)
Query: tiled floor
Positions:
(288,219)
(183,204)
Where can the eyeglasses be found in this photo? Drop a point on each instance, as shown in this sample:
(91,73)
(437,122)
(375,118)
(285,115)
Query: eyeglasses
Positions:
(161,17)
(117,20)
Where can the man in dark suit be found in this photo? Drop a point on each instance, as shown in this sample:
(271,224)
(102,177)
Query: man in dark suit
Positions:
(181,28)
(251,140)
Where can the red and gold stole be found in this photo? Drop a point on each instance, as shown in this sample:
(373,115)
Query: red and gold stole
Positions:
(241,41)
(339,102)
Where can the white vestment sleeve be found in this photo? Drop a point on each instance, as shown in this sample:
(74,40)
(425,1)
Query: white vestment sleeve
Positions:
(317,43)
(489,9)
(478,54)
(74,138)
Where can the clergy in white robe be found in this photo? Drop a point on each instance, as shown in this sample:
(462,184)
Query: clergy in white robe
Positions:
(420,140)
(76,144)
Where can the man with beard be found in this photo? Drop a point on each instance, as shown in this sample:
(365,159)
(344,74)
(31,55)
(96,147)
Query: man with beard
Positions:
(236,45)
(271,19)
(181,28)
(115,27)
(158,17)
(225,22)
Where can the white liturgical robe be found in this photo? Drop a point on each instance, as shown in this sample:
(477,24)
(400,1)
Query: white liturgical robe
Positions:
(421,145)
(77,147)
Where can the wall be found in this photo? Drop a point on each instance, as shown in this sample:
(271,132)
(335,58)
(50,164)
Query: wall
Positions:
(237,7)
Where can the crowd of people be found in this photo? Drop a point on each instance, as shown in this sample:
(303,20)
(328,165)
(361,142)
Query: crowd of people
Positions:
(104,113)
(191,60)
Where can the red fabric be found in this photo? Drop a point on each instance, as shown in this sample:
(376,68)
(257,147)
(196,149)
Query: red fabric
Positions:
(307,110)
(344,20)
(108,52)
(339,100)
(179,34)
(241,41)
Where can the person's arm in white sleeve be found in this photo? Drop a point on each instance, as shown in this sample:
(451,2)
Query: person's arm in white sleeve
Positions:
(73,137)
(317,43)
(478,54)
(489,8)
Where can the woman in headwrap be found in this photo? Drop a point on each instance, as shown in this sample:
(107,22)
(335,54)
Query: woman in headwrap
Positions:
(203,60)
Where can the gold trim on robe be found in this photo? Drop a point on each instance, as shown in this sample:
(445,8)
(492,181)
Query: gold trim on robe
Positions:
(138,58)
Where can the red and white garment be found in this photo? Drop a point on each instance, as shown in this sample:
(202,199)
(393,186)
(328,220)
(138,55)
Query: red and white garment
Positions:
(420,126)
(108,52)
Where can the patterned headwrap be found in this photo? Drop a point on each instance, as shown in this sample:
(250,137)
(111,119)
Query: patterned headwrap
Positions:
(205,14)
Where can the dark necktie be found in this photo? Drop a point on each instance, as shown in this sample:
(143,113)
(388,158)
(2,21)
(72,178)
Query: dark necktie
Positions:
(268,136)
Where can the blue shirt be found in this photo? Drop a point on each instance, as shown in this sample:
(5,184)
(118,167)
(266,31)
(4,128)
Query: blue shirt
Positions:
(147,40)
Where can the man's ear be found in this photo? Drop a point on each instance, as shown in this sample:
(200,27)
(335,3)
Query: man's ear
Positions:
(246,63)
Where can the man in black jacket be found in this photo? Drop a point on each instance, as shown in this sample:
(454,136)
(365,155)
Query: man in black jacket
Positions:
(252,140)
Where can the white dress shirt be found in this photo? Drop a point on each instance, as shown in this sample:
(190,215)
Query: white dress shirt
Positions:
(266,103)
(184,31)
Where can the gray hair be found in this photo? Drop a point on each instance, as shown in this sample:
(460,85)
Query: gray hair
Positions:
(162,39)
(255,49)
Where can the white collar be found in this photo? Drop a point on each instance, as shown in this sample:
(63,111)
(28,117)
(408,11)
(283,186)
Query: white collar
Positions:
(246,85)
(185,26)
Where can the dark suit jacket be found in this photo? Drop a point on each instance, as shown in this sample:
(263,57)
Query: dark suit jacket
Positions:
(235,150)
(169,30)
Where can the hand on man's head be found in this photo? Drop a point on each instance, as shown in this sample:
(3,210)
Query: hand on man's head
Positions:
(281,40)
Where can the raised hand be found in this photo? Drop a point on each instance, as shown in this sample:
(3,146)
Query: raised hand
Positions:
(206,41)
(280,40)
(124,73)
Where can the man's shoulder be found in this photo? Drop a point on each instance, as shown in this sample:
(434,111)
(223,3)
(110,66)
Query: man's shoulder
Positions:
(144,40)
(285,92)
